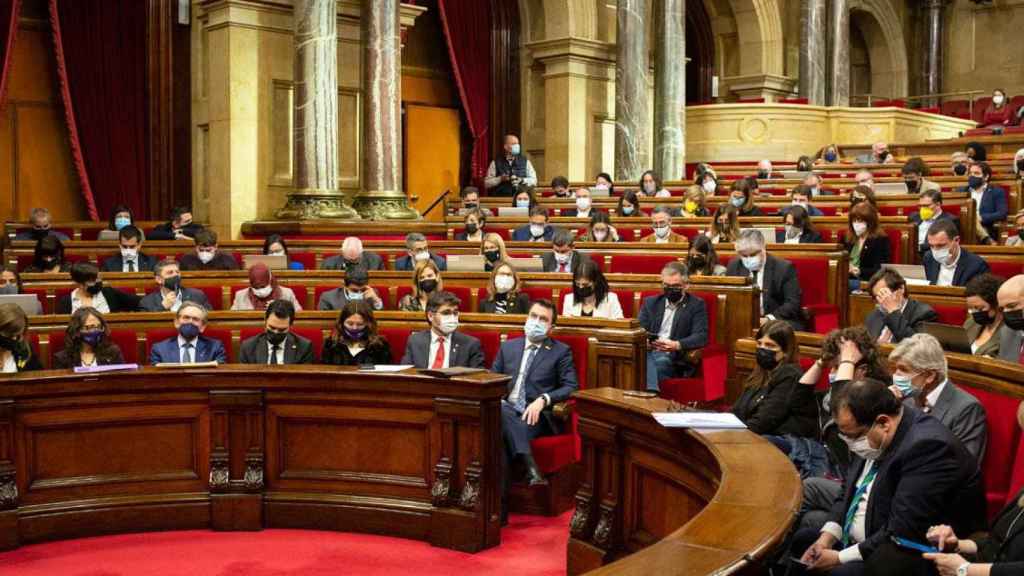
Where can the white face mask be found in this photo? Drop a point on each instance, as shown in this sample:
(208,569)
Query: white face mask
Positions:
(792,231)
(129,253)
(449,324)
(262,292)
(600,235)
(206,257)
(650,188)
(536,230)
(276,253)
(998,100)
(583,204)
(942,255)
(859,228)
(504,282)
(861,447)
(562,258)
(422,255)
(662,232)
(710,186)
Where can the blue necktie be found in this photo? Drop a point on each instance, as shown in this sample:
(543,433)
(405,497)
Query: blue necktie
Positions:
(520,400)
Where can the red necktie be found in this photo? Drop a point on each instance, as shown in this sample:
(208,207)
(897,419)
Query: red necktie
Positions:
(561,267)
(439,356)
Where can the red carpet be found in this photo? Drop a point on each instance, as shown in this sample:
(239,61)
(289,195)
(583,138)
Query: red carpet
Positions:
(530,545)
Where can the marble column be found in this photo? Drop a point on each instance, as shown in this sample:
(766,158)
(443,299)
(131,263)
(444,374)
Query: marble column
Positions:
(670,89)
(839,72)
(813,60)
(632,146)
(315,115)
(382,197)
(933,48)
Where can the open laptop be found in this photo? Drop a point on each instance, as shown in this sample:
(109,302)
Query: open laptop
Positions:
(465,262)
(890,188)
(530,264)
(599,192)
(276,262)
(513,211)
(912,273)
(27,302)
(953,338)
(767,231)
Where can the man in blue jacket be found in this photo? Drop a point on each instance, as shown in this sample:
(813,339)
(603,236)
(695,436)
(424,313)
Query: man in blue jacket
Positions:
(189,346)
(677,324)
(538,230)
(989,201)
(947,263)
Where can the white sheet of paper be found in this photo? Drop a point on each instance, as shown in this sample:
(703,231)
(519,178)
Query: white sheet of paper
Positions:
(391,367)
(699,420)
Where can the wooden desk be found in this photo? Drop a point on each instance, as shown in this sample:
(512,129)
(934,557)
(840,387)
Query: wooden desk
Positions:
(243,448)
(674,502)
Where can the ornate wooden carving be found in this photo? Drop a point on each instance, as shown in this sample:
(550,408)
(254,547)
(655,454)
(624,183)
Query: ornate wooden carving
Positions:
(603,531)
(254,472)
(441,489)
(8,490)
(220,475)
(581,516)
(470,499)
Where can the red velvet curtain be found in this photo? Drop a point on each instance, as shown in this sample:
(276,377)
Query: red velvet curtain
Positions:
(467,30)
(9,11)
(100,48)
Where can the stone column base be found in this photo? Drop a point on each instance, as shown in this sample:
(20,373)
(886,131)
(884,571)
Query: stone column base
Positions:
(316,205)
(384,205)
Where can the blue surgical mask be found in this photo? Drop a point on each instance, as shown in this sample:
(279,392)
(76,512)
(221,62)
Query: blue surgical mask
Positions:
(522,203)
(627,210)
(830,156)
(122,222)
(515,149)
(535,330)
(903,384)
(188,331)
(738,202)
(752,263)
(353,295)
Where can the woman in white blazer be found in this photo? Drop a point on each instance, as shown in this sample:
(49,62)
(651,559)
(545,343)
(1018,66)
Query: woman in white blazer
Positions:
(590,296)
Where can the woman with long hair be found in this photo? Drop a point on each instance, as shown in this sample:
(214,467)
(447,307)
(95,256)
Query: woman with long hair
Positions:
(426,280)
(725,226)
(867,244)
(701,258)
(504,292)
(87,342)
(590,296)
(492,248)
(355,340)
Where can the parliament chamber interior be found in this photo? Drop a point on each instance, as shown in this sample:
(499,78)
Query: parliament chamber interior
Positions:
(511,287)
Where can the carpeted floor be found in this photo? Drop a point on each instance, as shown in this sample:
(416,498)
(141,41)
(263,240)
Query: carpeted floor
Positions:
(530,545)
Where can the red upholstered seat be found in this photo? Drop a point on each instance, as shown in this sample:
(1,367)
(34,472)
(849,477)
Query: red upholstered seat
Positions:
(793,101)
(553,453)
(213,294)
(689,231)
(536,293)
(640,263)
(1014,130)
(1004,444)
(955,108)
(396,338)
(709,383)
(813,276)
(978,132)
(1005,268)
(307,259)
(953,315)
(489,343)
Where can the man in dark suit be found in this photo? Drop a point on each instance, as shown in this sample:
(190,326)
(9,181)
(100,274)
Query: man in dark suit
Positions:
(989,201)
(443,346)
(42,224)
(563,256)
(801,196)
(208,255)
(189,346)
(677,326)
(417,249)
(131,258)
(947,263)
(1011,335)
(929,211)
(538,230)
(278,344)
(908,472)
(584,205)
(170,294)
(352,255)
(543,374)
(357,287)
(780,288)
(179,227)
(897,316)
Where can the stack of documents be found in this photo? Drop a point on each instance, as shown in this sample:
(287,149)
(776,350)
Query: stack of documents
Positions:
(700,420)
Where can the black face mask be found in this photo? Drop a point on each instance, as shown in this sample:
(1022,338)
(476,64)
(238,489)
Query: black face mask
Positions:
(883,155)
(981,318)
(276,338)
(912,185)
(673,295)
(975,182)
(698,262)
(1020,165)
(766,359)
(39,234)
(469,205)
(9,344)
(762,174)
(584,292)
(1014,319)
(173,283)
(471,228)
(94,289)
(492,256)
(428,285)
(960,169)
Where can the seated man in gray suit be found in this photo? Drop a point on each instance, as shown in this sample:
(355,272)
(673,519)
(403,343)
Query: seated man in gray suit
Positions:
(357,287)
(443,346)
(352,255)
(1011,335)
(896,316)
(277,344)
(171,293)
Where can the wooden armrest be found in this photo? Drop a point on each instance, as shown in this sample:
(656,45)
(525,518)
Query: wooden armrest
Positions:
(563,410)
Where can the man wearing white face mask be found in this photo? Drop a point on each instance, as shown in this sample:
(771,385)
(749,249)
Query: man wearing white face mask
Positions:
(584,205)
(661,222)
(563,256)
(947,263)
(510,170)
(207,256)
(776,278)
(538,230)
(801,196)
(442,346)
(543,374)
(131,258)
(416,251)
(908,472)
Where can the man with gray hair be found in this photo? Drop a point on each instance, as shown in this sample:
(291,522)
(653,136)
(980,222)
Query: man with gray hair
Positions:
(677,327)
(661,222)
(41,227)
(353,255)
(189,346)
(879,155)
(959,163)
(417,250)
(776,278)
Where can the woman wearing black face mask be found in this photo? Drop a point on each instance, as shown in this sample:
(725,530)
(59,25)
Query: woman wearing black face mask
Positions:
(15,353)
(87,342)
(426,280)
(355,340)
(590,296)
(984,317)
(91,293)
(773,403)
(702,258)
(474,220)
(48,257)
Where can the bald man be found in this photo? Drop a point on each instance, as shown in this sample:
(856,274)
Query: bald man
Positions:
(1011,335)
(352,255)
